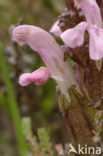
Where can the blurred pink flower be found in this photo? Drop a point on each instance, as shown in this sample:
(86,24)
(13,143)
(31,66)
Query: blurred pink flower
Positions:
(59,149)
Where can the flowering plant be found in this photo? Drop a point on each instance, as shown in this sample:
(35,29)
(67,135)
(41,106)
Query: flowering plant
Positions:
(81,87)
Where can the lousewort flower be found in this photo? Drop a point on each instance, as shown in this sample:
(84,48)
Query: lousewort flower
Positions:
(52,55)
(75,37)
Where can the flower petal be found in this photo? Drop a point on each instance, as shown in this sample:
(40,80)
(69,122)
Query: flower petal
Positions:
(96,42)
(56,29)
(40,76)
(74,37)
(91,11)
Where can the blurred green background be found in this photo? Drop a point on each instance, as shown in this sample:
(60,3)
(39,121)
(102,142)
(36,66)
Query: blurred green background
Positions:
(37,102)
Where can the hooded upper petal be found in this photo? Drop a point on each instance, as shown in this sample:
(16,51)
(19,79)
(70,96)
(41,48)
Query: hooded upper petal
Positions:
(96,42)
(40,76)
(91,11)
(74,37)
(55,29)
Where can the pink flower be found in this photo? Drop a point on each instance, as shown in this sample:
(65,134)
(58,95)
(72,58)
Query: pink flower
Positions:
(52,55)
(42,42)
(55,29)
(92,13)
(74,37)
(39,76)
